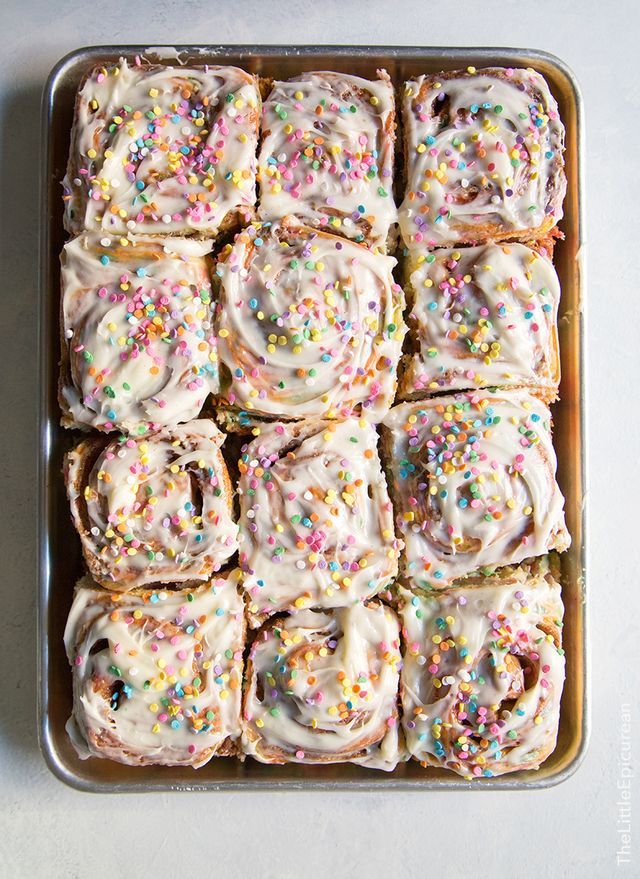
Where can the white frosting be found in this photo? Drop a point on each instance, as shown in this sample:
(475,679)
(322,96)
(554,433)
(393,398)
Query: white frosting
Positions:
(139,349)
(309,325)
(327,154)
(155,509)
(321,688)
(483,675)
(473,483)
(162,149)
(156,676)
(316,522)
(484,156)
(482,316)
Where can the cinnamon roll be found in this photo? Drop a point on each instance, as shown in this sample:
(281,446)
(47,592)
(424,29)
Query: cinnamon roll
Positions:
(483,674)
(163,150)
(484,157)
(473,479)
(309,325)
(152,509)
(327,154)
(316,522)
(320,687)
(157,676)
(138,349)
(482,316)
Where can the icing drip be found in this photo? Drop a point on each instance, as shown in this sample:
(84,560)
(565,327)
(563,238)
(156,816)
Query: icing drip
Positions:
(139,349)
(156,676)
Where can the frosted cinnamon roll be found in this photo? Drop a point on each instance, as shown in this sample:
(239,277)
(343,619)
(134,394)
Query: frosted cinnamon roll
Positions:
(481,316)
(321,688)
(327,154)
(309,325)
(483,674)
(156,509)
(163,150)
(316,522)
(484,157)
(138,349)
(473,479)
(157,676)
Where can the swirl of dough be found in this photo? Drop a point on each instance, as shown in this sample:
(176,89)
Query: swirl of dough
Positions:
(327,154)
(321,687)
(484,153)
(316,522)
(483,674)
(137,337)
(163,150)
(309,325)
(157,676)
(482,316)
(155,509)
(473,478)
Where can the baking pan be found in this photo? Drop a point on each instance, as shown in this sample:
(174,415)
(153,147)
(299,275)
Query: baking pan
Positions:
(60,562)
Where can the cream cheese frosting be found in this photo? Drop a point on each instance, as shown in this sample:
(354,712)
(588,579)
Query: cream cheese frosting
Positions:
(482,316)
(483,674)
(309,324)
(321,688)
(473,479)
(162,150)
(327,154)
(138,344)
(156,509)
(157,676)
(316,522)
(484,157)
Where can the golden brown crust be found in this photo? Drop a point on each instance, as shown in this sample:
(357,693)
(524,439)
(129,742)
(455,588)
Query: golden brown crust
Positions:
(105,556)
(309,721)
(430,100)
(98,104)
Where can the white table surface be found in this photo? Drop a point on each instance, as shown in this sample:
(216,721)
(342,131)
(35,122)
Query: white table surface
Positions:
(49,830)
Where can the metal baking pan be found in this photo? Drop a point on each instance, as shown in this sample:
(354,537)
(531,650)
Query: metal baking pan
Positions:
(60,562)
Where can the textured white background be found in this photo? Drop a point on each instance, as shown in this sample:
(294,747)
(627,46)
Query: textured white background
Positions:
(48,830)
